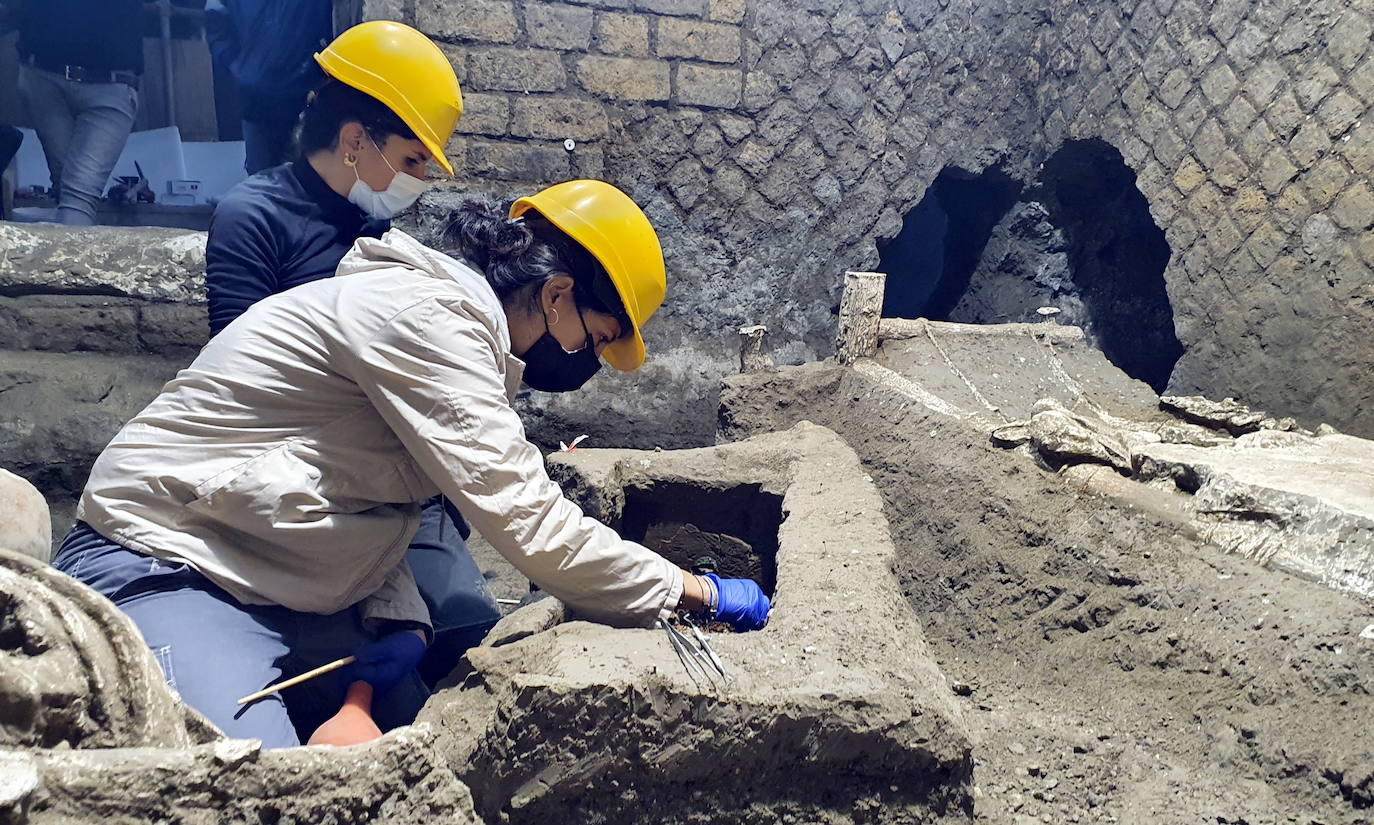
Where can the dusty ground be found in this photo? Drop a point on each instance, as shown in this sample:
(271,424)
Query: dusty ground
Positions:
(1114,671)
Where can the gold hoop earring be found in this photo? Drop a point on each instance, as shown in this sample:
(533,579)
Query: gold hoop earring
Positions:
(555,315)
(350,160)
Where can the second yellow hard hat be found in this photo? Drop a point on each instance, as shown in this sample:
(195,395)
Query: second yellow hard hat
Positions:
(611,226)
(405,70)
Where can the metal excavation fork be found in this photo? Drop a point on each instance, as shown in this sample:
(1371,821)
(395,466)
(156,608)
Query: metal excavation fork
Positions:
(695,653)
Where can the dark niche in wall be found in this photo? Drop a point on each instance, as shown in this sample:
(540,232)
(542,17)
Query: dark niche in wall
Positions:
(986,249)
(1117,255)
(931,261)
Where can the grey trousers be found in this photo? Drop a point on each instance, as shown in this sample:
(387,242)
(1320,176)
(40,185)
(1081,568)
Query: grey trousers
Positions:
(83,128)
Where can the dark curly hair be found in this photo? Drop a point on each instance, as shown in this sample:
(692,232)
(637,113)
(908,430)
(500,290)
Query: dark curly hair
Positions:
(514,254)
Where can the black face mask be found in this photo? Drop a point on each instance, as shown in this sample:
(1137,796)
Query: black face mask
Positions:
(550,368)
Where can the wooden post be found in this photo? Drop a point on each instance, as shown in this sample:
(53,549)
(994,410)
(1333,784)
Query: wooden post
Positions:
(751,357)
(861,310)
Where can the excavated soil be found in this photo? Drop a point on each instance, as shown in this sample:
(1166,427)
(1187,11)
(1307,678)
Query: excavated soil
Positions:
(1114,670)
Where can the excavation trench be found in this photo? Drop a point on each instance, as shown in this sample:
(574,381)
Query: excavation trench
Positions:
(1112,667)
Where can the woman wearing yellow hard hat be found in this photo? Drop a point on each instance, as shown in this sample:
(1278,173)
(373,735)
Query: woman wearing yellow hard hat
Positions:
(253,519)
(388,104)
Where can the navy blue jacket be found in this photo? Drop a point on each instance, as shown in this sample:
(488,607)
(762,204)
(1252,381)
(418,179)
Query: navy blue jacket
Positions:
(269,46)
(282,227)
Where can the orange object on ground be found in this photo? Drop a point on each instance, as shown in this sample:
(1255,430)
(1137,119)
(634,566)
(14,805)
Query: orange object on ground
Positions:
(353,724)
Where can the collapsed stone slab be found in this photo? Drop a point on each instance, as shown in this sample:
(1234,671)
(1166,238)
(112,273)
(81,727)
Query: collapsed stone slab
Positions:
(835,707)
(74,671)
(396,779)
(90,733)
(1241,480)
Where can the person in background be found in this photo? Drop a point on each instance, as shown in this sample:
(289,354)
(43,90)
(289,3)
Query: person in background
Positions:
(10,140)
(267,46)
(389,105)
(79,68)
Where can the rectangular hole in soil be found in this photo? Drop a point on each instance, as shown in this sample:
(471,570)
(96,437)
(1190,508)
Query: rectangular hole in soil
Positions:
(736,526)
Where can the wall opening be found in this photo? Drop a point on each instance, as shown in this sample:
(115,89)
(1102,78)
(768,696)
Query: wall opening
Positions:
(986,249)
(929,263)
(1117,255)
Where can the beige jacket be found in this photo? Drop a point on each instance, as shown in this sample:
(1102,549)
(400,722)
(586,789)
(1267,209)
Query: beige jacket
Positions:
(287,461)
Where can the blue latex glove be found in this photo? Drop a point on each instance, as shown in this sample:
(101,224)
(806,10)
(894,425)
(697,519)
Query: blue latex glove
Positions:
(742,603)
(385,662)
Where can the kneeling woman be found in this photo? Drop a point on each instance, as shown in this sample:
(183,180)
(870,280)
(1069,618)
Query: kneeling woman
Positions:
(253,519)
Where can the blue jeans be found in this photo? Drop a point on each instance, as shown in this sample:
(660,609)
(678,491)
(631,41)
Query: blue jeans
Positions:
(83,127)
(214,650)
(461,608)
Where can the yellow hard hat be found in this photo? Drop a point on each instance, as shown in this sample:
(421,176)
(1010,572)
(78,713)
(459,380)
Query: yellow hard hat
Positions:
(609,225)
(405,70)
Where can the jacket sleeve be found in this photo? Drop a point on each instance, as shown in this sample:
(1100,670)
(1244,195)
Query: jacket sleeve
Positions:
(398,600)
(241,261)
(432,372)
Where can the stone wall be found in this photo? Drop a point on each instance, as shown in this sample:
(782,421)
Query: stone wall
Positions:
(776,144)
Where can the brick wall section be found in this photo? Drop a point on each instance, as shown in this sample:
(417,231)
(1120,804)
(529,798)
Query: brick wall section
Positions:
(775,144)
(535,74)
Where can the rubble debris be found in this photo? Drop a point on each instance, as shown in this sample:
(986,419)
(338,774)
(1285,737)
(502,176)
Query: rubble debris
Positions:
(74,671)
(1227,414)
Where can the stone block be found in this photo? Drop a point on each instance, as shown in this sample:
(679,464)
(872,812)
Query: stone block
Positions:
(1310,143)
(624,77)
(1349,38)
(1189,175)
(622,34)
(727,11)
(608,712)
(1177,83)
(26,528)
(137,262)
(1277,171)
(558,26)
(484,114)
(1219,83)
(557,118)
(1358,148)
(169,329)
(1340,111)
(709,86)
(1238,115)
(516,70)
(712,42)
(1315,83)
(1326,180)
(484,21)
(529,162)
(1354,209)
(1264,80)
(678,8)
(59,323)
(735,128)
(1284,114)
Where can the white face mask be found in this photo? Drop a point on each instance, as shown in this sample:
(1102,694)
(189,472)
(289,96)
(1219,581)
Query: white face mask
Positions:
(403,191)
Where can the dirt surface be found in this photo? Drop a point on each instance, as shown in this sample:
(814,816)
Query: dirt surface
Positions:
(1112,669)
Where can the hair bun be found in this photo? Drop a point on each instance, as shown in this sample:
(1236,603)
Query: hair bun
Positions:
(510,238)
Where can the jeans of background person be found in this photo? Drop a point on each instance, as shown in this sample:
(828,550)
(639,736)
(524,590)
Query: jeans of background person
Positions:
(461,608)
(266,143)
(214,650)
(83,128)
(10,141)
